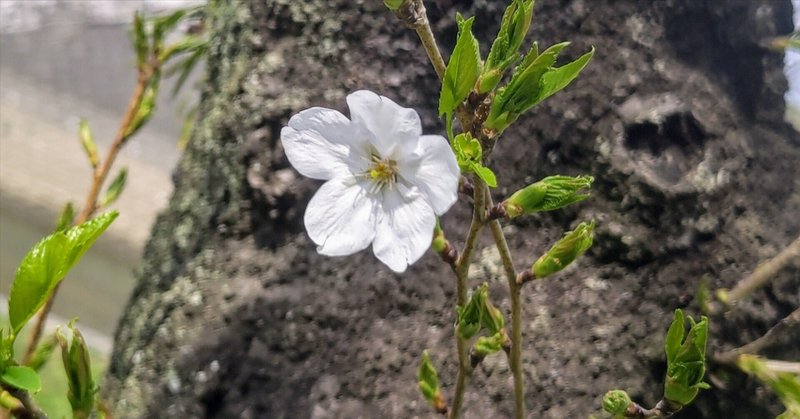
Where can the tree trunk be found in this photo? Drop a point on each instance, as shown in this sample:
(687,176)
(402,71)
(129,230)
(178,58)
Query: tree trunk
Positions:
(678,117)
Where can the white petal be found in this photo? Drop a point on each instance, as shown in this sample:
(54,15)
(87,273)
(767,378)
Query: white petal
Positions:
(432,168)
(341,217)
(322,144)
(405,228)
(395,129)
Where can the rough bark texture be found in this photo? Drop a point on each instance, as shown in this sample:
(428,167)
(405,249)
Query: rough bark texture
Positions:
(678,118)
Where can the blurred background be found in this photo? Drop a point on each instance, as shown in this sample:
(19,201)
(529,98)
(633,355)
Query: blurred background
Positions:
(60,61)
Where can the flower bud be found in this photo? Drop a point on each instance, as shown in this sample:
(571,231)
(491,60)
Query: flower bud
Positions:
(565,251)
(616,402)
(79,374)
(550,193)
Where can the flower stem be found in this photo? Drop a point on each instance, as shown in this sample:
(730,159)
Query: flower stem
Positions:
(99,177)
(462,272)
(515,357)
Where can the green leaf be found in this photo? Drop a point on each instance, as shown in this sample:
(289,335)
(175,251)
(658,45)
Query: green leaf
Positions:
(559,78)
(462,70)
(674,336)
(47,263)
(504,51)
(87,141)
(115,188)
(6,348)
(23,378)
(188,43)
(486,174)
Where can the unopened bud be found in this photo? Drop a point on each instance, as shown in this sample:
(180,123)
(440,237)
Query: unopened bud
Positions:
(550,193)
(77,366)
(616,402)
(565,251)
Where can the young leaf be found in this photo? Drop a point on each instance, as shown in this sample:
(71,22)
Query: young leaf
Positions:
(145,110)
(23,378)
(115,188)
(140,39)
(87,141)
(486,174)
(462,69)
(561,77)
(674,336)
(550,193)
(46,264)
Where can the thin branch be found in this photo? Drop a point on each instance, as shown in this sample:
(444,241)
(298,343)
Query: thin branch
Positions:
(462,272)
(27,408)
(764,272)
(99,177)
(515,357)
(787,323)
(662,409)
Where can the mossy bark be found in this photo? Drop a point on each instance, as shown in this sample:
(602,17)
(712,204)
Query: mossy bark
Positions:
(678,118)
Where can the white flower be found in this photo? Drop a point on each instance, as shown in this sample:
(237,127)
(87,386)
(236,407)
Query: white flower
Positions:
(385,181)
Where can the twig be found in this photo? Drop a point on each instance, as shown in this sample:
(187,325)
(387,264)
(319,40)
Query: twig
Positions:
(99,176)
(662,409)
(462,272)
(762,274)
(27,408)
(756,346)
(515,357)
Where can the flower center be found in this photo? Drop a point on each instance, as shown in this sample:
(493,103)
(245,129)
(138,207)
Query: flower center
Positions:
(382,172)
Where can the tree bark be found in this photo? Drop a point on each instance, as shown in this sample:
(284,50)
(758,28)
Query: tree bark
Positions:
(678,117)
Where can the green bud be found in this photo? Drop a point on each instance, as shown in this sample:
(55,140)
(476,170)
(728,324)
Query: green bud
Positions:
(87,141)
(686,359)
(616,402)
(77,366)
(487,345)
(428,382)
(439,242)
(491,317)
(469,316)
(550,193)
(145,110)
(393,4)
(115,188)
(66,218)
(43,352)
(565,251)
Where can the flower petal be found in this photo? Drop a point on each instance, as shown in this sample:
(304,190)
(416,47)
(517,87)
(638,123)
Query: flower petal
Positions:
(405,228)
(432,168)
(341,217)
(322,144)
(395,129)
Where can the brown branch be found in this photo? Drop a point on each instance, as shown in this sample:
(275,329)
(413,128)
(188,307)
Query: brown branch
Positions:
(27,408)
(99,176)
(756,346)
(763,273)
(662,409)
